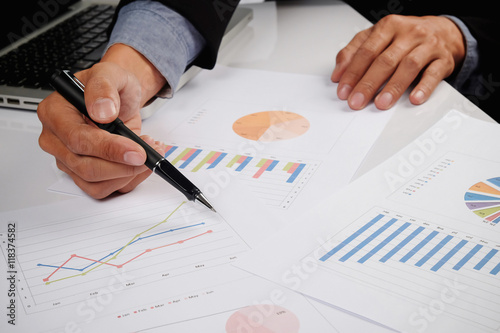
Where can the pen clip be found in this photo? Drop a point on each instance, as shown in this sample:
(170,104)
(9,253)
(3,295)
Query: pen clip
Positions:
(74,79)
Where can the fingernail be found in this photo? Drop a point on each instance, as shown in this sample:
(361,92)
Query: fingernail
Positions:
(344,91)
(419,97)
(133,158)
(384,101)
(357,101)
(104,109)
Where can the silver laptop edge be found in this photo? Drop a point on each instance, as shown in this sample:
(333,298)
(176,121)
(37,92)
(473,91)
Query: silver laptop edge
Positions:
(17,97)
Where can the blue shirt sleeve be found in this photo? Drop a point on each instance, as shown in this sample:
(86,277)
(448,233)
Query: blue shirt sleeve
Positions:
(164,37)
(467,77)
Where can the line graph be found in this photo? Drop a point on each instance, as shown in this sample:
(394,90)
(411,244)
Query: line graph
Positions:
(68,258)
(114,255)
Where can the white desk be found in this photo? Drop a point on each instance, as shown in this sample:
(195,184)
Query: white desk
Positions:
(299,36)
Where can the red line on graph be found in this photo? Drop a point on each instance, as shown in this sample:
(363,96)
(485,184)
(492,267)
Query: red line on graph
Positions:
(121,265)
(58,268)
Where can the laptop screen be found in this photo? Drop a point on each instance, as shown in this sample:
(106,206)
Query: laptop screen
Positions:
(22,17)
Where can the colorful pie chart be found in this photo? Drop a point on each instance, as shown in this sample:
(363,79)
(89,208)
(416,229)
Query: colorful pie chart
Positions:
(269,126)
(483,199)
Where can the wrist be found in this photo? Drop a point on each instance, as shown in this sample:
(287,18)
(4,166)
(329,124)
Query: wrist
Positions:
(151,80)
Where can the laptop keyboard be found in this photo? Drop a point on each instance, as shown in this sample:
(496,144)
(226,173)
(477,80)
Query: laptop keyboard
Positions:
(76,44)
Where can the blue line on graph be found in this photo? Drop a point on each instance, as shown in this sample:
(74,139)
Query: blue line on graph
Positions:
(402,244)
(351,238)
(419,246)
(384,242)
(113,253)
(368,240)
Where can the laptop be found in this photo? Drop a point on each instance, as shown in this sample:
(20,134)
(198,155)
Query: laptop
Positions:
(39,36)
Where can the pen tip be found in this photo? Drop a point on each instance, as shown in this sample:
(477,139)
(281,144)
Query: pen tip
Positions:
(201,198)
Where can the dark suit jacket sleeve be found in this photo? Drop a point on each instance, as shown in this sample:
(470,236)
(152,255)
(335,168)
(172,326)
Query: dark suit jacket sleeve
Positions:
(209,17)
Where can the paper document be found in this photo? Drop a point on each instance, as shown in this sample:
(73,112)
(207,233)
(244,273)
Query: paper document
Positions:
(414,244)
(282,135)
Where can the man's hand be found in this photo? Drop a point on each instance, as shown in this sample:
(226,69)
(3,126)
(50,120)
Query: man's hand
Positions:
(395,52)
(101,163)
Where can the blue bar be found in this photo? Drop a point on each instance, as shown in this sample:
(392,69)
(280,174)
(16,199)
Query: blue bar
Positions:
(448,255)
(419,246)
(368,240)
(170,151)
(272,165)
(402,244)
(190,159)
(296,173)
(384,242)
(217,161)
(495,270)
(434,250)
(351,238)
(244,164)
(485,260)
(467,257)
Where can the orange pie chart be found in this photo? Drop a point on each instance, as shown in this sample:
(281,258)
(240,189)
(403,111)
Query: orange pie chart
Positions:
(268,126)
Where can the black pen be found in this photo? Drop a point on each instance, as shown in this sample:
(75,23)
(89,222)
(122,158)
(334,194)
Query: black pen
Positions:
(73,91)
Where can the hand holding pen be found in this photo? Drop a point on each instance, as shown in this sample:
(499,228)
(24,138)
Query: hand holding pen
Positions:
(100,163)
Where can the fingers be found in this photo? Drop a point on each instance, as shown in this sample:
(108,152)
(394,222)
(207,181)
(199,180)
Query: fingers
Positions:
(385,60)
(64,124)
(109,91)
(97,177)
(99,162)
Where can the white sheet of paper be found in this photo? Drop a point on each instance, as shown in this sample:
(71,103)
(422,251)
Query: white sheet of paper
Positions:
(148,261)
(413,245)
(282,135)
(296,132)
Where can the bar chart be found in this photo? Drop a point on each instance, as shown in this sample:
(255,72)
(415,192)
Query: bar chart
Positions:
(413,258)
(385,238)
(276,180)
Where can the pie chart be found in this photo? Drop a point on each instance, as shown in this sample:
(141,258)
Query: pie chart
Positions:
(483,199)
(269,126)
(263,318)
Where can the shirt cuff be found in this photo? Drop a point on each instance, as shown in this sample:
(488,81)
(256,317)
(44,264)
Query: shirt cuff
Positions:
(466,77)
(164,37)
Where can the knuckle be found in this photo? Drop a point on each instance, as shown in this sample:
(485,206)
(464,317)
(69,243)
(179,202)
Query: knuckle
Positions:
(412,62)
(75,139)
(397,88)
(85,169)
(367,86)
(367,51)
(388,59)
